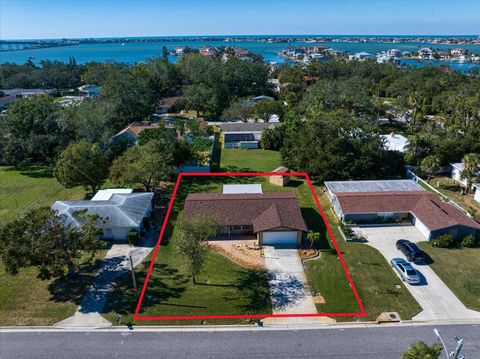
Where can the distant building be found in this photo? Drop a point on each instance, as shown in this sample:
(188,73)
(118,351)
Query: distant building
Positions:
(26,93)
(361,56)
(394,53)
(208,51)
(7,101)
(244,135)
(425,53)
(166,105)
(130,133)
(395,142)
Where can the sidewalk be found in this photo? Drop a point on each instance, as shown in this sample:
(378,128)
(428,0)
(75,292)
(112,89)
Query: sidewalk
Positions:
(115,264)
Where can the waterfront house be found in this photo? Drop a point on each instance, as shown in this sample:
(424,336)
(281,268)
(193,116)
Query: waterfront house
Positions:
(425,53)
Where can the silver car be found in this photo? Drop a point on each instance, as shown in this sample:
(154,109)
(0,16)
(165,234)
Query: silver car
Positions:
(405,270)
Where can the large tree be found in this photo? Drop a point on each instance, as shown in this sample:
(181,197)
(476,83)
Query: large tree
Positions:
(82,164)
(145,165)
(41,239)
(30,132)
(335,147)
(265,109)
(190,242)
(240,110)
(430,165)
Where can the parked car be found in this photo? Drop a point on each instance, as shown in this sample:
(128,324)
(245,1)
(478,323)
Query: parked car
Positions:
(405,270)
(411,251)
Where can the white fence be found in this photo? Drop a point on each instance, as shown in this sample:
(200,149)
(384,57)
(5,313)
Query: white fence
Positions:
(445,198)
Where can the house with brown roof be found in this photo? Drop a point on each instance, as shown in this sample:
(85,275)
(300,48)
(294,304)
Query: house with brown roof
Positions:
(130,133)
(395,201)
(274,218)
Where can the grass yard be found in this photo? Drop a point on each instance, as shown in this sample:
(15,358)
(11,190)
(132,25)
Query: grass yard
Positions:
(459,269)
(251,160)
(223,288)
(375,281)
(27,300)
(22,190)
(452,190)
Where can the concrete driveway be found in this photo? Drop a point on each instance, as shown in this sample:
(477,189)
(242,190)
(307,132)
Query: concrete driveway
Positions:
(287,281)
(436,299)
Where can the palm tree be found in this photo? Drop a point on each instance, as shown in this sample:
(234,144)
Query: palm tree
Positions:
(313,237)
(430,165)
(471,167)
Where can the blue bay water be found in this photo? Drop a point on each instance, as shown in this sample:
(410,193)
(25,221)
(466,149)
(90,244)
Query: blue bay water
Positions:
(133,52)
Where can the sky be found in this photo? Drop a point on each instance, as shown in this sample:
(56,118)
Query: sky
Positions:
(36,19)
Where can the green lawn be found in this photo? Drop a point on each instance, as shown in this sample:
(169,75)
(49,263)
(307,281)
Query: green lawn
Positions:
(253,160)
(224,288)
(375,281)
(27,300)
(459,269)
(22,190)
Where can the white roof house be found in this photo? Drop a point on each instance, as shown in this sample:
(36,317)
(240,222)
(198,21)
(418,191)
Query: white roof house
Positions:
(395,142)
(106,194)
(456,173)
(120,214)
(242,188)
(477,192)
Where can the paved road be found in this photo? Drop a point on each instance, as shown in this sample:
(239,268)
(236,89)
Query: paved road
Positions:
(287,281)
(436,299)
(360,343)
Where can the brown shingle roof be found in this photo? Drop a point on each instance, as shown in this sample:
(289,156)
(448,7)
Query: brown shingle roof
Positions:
(262,210)
(427,207)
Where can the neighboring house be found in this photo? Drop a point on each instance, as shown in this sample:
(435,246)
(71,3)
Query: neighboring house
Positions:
(119,214)
(208,51)
(26,93)
(395,142)
(361,56)
(425,53)
(244,135)
(456,173)
(166,105)
(279,180)
(273,217)
(7,101)
(130,133)
(364,202)
(477,192)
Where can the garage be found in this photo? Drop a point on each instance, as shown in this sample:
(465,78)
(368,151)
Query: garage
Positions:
(280,237)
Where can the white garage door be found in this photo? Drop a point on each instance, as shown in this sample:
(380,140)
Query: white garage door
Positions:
(280,237)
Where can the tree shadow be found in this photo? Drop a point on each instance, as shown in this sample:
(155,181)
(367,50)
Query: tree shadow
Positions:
(294,183)
(73,288)
(252,286)
(33,171)
(315,223)
(123,299)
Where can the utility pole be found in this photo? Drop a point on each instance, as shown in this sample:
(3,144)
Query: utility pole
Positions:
(454,354)
(133,273)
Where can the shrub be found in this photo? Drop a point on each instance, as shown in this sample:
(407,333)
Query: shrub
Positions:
(444,241)
(470,241)
(133,238)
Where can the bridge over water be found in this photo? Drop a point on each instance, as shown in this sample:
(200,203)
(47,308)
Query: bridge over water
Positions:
(17,45)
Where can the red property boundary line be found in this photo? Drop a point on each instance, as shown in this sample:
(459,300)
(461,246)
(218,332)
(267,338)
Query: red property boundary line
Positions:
(136,315)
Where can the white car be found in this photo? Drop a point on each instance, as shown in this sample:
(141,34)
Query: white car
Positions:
(406,271)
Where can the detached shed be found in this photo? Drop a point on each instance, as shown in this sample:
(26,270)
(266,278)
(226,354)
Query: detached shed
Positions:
(280,180)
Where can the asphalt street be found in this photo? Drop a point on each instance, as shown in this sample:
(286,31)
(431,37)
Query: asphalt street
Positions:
(358,343)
